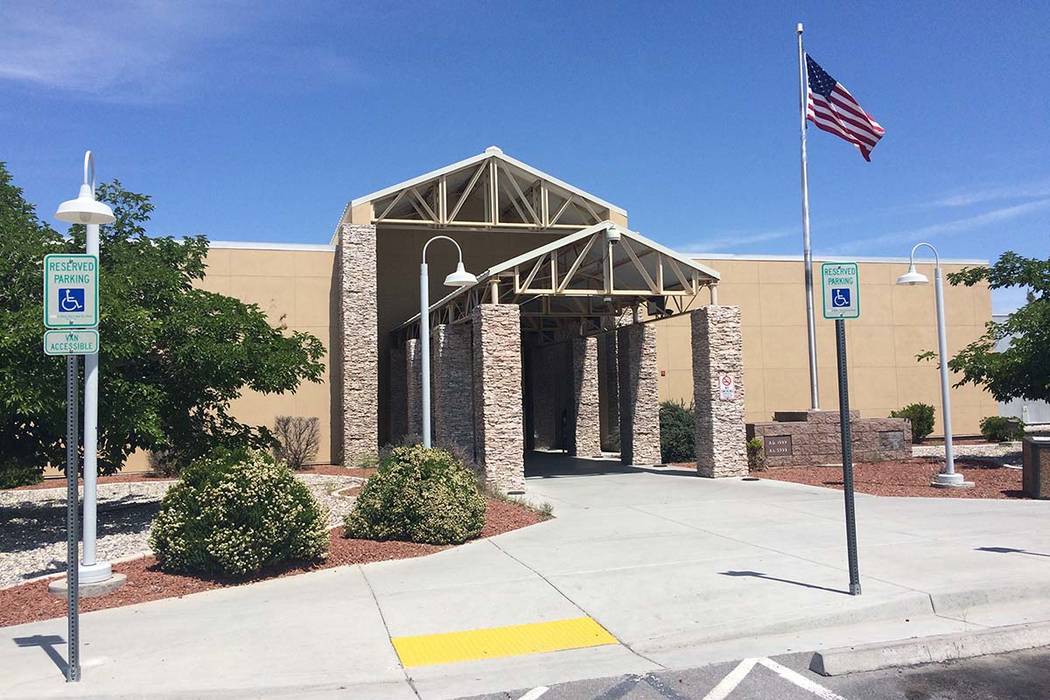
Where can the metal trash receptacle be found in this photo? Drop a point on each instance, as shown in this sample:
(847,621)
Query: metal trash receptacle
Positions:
(1035,480)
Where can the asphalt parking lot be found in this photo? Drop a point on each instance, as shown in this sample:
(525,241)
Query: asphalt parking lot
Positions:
(1018,675)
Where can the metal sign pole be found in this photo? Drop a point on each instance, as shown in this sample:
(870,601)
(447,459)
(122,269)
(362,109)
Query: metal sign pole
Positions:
(72,529)
(847,459)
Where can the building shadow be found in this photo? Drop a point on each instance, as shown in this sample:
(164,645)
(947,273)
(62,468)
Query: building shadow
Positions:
(47,643)
(1010,550)
(759,574)
(552,464)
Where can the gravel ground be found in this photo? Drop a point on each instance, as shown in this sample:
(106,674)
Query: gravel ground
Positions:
(33,521)
(1003,453)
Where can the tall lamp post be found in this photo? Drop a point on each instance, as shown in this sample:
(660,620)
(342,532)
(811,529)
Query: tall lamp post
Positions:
(459,278)
(948,477)
(85,209)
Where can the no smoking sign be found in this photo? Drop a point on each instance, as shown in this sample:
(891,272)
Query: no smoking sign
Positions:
(726,387)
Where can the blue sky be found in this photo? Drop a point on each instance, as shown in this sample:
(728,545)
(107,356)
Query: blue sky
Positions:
(258,121)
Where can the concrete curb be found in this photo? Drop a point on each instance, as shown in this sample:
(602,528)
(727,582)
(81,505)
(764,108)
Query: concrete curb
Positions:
(937,649)
(955,605)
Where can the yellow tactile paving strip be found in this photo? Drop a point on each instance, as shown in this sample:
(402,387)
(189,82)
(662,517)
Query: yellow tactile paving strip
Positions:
(497,642)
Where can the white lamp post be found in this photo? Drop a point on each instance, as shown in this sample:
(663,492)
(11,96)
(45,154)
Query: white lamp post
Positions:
(459,278)
(948,477)
(86,210)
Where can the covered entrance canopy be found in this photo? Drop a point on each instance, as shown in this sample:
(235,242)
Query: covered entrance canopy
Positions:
(584,282)
(551,348)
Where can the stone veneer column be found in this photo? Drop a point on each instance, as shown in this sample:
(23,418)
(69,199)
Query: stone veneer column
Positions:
(609,394)
(414,386)
(453,408)
(359,330)
(498,436)
(718,349)
(586,419)
(398,394)
(639,394)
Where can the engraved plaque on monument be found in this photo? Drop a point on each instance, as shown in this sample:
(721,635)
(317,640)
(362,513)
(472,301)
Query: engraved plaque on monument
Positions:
(891,440)
(777,445)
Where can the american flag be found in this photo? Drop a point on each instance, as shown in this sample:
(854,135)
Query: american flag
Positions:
(833,109)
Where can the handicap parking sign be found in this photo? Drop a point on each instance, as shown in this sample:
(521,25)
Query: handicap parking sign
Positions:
(71,300)
(70,291)
(840,289)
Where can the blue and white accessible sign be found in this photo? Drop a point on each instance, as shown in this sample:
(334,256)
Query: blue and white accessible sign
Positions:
(840,285)
(70,291)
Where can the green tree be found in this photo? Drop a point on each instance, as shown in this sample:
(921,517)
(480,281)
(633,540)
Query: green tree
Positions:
(1022,371)
(173,356)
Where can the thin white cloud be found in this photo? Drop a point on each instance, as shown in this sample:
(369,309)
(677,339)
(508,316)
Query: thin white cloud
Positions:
(994,194)
(142,52)
(947,228)
(113,51)
(727,240)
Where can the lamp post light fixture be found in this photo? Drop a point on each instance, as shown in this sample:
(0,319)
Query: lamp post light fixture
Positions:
(948,477)
(459,278)
(85,209)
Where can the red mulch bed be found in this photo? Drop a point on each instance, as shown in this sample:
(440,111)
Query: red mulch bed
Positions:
(908,478)
(30,602)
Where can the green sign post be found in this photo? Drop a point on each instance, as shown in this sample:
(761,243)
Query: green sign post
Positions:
(840,290)
(71,316)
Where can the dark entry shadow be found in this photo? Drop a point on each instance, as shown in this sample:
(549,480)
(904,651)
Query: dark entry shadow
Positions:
(549,465)
(47,643)
(1010,550)
(759,574)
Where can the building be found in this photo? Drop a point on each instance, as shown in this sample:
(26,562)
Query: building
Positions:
(594,324)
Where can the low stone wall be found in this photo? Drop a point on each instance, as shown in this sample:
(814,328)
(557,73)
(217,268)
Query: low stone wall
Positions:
(808,438)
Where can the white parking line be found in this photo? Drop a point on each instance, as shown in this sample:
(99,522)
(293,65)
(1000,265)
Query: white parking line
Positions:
(731,681)
(535,693)
(799,680)
(728,684)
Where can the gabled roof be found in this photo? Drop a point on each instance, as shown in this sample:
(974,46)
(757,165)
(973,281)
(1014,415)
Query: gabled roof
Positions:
(490,152)
(488,191)
(587,267)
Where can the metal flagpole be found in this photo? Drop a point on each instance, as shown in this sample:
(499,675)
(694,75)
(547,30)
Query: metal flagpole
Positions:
(807,256)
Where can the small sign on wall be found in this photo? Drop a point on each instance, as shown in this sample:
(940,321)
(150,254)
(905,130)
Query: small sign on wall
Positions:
(777,445)
(726,387)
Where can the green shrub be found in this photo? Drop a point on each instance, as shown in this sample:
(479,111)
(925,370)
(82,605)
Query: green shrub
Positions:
(233,513)
(418,495)
(1002,429)
(12,475)
(921,417)
(677,433)
(756,455)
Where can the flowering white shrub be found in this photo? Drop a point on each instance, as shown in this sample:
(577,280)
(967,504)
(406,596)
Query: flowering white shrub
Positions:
(418,495)
(233,513)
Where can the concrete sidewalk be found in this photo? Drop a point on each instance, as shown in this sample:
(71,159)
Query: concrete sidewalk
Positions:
(682,570)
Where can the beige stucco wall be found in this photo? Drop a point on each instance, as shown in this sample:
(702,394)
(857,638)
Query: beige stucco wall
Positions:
(295,285)
(896,323)
(292,285)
